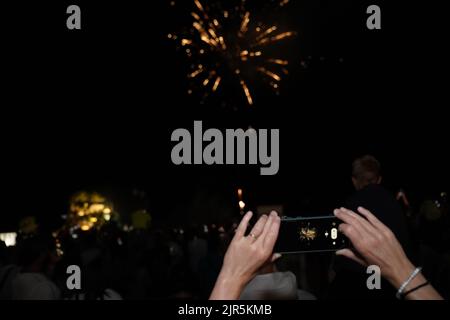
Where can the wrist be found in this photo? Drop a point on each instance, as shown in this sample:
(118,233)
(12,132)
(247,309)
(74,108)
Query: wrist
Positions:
(228,287)
(232,280)
(401,274)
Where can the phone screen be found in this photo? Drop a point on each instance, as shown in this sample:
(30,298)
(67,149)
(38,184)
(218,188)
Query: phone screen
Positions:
(310,234)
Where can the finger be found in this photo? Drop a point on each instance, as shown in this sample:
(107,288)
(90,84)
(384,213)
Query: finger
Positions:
(351,255)
(240,231)
(266,228)
(272,234)
(259,226)
(372,219)
(348,222)
(275,257)
(356,220)
(351,232)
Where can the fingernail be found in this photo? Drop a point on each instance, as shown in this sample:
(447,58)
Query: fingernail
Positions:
(336,212)
(273,213)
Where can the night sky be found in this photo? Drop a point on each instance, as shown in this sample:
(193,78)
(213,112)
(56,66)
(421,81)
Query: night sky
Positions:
(94,109)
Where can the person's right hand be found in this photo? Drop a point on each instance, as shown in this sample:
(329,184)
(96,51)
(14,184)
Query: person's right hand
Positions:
(377,245)
(374,242)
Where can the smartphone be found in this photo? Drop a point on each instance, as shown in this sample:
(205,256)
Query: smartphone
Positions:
(310,234)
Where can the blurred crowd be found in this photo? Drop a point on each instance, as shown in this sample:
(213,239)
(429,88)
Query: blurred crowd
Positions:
(184,262)
(148,263)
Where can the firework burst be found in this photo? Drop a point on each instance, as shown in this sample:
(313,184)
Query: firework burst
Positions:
(232,45)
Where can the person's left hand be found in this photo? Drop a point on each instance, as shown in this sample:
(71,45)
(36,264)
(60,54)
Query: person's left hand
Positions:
(246,255)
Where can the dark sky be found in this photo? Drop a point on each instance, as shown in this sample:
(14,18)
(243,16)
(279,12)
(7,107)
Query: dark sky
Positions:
(94,109)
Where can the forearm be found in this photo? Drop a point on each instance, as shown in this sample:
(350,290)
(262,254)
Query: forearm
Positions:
(227,288)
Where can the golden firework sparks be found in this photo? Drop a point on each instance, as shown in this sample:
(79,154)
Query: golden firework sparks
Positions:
(244,24)
(196,16)
(216,84)
(281,36)
(274,76)
(247,92)
(266,33)
(231,45)
(278,61)
(196,72)
(199,5)
(185,42)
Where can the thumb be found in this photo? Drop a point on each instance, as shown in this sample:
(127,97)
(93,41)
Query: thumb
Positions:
(275,257)
(351,255)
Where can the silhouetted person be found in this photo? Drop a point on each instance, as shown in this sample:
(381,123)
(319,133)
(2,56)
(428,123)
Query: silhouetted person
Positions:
(350,278)
(37,259)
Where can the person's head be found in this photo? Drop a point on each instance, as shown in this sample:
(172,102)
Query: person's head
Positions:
(365,171)
(271,286)
(37,254)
